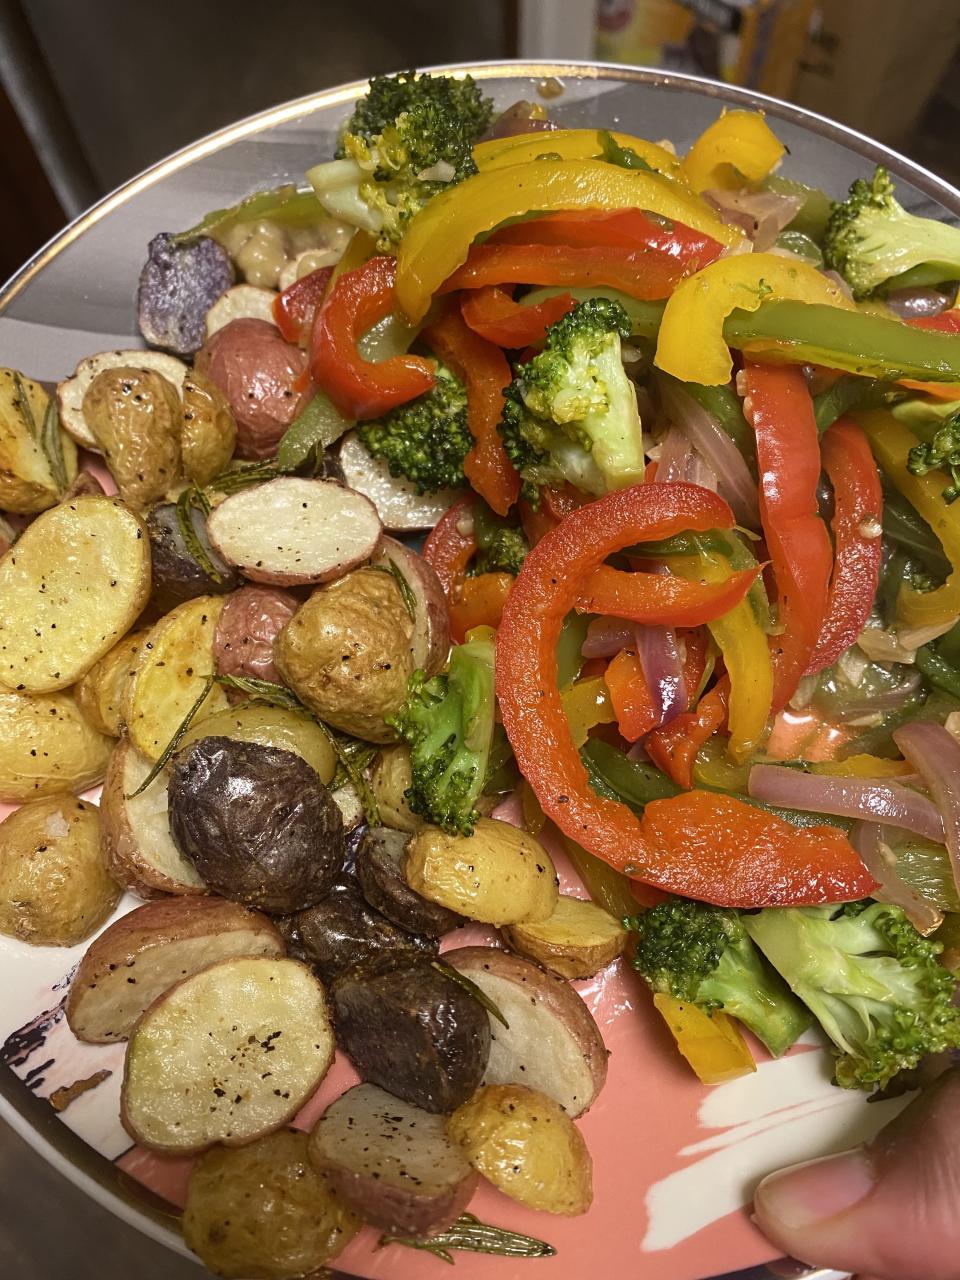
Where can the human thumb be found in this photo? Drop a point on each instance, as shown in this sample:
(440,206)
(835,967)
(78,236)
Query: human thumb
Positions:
(890,1209)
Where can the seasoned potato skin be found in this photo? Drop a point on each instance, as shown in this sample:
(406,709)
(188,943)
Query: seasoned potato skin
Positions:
(100,692)
(379,871)
(527,1146)
(47,747)
(271,727)
(390,778)
(134,414)
(177,577)
(346,653)
(577,941)
(413,1032)
(55,889)
(262,1212)
(208,433)
(257,822)
(27,484)
(247,631)
(499,875)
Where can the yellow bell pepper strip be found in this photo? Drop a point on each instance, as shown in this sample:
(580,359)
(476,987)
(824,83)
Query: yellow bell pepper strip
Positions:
(862,766)
(691,345)
(569,144)
(891,443)
(439,237)
(587,704)
(711,1042)
(739,145)
(746,654)
(608,888)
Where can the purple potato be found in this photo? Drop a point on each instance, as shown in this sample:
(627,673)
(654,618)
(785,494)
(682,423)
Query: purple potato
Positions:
(179,284)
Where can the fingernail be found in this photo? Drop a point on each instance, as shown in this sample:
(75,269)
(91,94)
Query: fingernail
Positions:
(818,1189)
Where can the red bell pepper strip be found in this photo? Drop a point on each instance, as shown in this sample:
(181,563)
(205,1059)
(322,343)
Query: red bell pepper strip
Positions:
(673,747)
(484,370)
(295,308)
(945,322)
(858,506)
(359,388)
(638,273)
(780,407)
(479,603)
(624,229)
(493,314)
(450,546)
(554,505)
(741,861)
(661,599)
(630,695)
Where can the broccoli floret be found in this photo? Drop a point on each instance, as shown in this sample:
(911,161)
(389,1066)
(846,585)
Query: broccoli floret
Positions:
(869,978)
(703,955)
(942,452)
(448,723)
(870,238)
(409,137)
(426,440)
(501,546)
(570,414)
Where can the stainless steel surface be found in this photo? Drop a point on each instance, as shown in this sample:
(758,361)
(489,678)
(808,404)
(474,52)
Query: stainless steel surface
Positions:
(77,297)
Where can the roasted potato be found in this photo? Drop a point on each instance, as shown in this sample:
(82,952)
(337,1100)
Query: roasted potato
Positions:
(577,941)
(551,1043)
(527,1146)
(227,1055)
(99,693)
(242,302)
(292,531)
(390,778)
(431,625)
(346,653)
(59,613)
(170,674)
(135,830)
(28,482)
(262,1212)
(149,950)
(499,875)
(47,747)
(70,393)
(177,575)
(179,282)
(256,822)
(134,416)
(55,889)
(414,1032)
(208,433)
(270,727)
(258,372)
(380,873)
(343,931)
(252,619)
(398,504)
(84,485)
(391,1162)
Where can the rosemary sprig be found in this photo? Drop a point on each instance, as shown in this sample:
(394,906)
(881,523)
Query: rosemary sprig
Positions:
(195,548)
(277,695)
(471,988)
(241,477)
(403,586)
(471,1235)
(175,741)
(25,407)
(52,445)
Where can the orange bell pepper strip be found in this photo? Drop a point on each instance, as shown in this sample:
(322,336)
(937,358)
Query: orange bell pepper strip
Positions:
(711,1042)
(779,404)
(674,746)
(858,506)
(630,229)
(450,546)
(741,860)
(659,599)
(295,309)
(483,368)
(363,389)
(630,695)
(479,603)
(493,314)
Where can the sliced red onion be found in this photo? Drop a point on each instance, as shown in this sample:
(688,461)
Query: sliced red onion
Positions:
(889,700)
(908,303)
(875,799)
(521,117)
(836,278)
(762,215)
(935,754)
(659,656)
(868,840)
(676,457)
(734,481)
(606,637)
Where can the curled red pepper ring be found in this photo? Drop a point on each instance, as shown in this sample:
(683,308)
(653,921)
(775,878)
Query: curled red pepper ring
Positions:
(623,228)
(494,315)
(660,599)
(295,309)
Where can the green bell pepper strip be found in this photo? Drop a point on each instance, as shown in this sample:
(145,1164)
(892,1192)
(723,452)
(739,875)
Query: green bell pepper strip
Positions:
(937,670)
(286,205)
(904,527)
(848,392)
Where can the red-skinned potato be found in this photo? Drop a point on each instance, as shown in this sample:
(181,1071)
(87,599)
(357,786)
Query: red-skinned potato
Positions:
(430,645)
(251,620)
(260,375)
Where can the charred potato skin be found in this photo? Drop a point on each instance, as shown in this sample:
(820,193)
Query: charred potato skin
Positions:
(262,1212)
(177,577)
(47,747)
(247,631)
(55,889)
(271,727)
(99,693)
(257,822)
(134,414)
(346,653)
(27,483)
(379,871)
(208,433)
(413,1032)
(577,941)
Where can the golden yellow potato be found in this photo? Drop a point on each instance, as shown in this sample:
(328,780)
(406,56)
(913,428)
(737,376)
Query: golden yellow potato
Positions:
(390,778)
(271,727)
(346,653)
(55,889)
(499,875)
(47,747)
(527,1146)
(135,417)
(262,1212)
(208,433)
(577,941)
(28,482)
(100,692)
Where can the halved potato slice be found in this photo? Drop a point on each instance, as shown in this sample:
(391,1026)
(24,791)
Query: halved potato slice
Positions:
(71,392)
(47,747)
(27,480)
(241,302)
(100,692)
(577,941)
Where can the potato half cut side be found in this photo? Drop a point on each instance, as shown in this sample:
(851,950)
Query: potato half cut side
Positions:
(149,950)
(71,392)
(47,747)
(577,941)
(241,302)
(552,1043)
(398,504)
(292,531)
(59,613)
(135,832)
(227,1055)
(391,1162)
